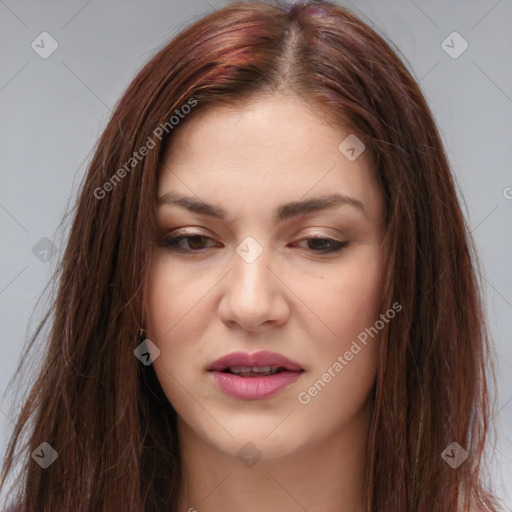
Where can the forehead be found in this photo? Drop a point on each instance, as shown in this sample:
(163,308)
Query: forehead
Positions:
(268,127)
(261,152)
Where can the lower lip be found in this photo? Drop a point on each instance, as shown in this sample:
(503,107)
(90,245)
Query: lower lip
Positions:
(253,388)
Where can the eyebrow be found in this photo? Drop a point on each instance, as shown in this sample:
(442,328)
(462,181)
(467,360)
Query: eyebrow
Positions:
(283,212)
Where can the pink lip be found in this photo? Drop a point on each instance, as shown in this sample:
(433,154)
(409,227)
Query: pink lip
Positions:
(254,388)
(263,358)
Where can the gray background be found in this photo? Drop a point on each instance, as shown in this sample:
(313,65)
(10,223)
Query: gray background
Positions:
(53,110)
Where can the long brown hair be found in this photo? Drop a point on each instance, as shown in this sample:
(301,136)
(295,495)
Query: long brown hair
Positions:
(105,413)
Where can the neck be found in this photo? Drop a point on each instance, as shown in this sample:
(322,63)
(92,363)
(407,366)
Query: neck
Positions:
(324,476)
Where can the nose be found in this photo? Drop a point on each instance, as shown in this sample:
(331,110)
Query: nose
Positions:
(254,296)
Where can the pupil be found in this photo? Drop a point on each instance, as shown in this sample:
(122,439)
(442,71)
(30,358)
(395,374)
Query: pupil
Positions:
(319,243)
(193,240)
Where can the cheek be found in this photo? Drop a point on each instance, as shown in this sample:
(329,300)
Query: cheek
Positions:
(348,299)
(360,289)
(175,297)
(347,358)
(178,315)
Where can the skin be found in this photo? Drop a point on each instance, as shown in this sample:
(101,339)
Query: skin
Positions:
(292,300)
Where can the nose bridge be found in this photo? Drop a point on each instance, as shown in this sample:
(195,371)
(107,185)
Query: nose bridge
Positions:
(250,299)
(250,250)
(251,260)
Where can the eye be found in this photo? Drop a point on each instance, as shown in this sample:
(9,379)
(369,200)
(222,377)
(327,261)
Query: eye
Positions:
(189,244)
(195,243)
(327,245)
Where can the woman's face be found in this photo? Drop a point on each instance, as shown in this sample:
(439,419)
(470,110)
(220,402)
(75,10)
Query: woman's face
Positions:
(254,280)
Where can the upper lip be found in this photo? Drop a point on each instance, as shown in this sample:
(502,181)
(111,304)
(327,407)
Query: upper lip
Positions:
(263,358)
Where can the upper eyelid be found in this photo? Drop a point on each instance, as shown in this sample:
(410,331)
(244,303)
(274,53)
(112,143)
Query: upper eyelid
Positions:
(179,233)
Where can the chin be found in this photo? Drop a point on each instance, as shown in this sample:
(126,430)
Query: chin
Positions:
(261,439)
(257,447)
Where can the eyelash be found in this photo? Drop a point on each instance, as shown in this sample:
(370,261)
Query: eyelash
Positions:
(171,243)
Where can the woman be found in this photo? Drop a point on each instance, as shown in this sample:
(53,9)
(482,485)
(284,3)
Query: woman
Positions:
(267,300)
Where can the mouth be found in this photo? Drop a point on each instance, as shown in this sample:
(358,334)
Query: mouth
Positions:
(259,362)
(254,377)
(254,371)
